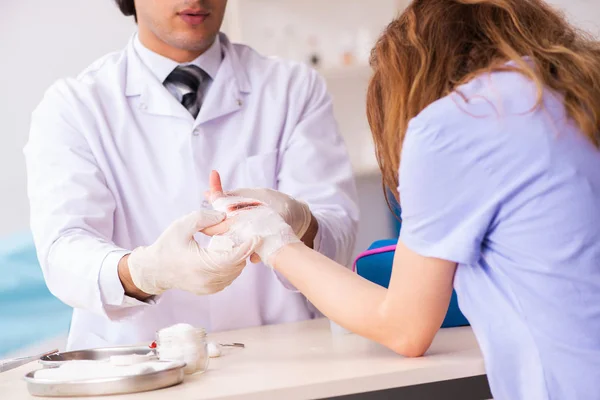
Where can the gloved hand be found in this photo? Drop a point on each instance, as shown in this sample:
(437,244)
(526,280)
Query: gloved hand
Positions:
(176,261)
(250,218)
(294,212)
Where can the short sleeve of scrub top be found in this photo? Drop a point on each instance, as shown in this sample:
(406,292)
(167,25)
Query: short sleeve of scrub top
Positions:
(446,195)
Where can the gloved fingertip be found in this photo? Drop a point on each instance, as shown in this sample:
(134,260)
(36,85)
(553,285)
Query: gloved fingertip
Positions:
(249,246)
(212,217)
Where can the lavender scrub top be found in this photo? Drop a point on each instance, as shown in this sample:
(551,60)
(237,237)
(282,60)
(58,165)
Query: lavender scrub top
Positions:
(512,195)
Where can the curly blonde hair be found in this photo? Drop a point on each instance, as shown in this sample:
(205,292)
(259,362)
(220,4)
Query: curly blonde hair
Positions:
(436,45)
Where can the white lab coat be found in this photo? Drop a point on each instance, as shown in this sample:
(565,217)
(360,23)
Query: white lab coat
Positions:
(113,159)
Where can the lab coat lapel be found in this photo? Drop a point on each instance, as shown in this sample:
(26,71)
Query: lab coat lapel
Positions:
(155,99)
(227,92)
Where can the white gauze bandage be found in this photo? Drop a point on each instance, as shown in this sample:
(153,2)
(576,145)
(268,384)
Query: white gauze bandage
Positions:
(295,213)
(252,218)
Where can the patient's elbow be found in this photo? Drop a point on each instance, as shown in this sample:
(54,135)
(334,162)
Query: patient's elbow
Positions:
(407,344)
(406,348)
(404,335)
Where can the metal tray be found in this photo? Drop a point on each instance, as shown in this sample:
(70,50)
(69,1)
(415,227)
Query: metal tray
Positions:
(56,359)
(106,386)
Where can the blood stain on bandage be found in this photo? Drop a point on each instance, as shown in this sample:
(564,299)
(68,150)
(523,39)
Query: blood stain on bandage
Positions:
(243,206)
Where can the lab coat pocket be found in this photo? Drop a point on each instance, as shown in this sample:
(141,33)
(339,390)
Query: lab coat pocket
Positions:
(261,170)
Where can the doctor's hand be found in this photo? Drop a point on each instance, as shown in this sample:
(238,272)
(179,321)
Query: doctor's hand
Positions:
(176,261)
(294,212)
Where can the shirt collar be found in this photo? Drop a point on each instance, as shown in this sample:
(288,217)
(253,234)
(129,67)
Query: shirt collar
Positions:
(161,66)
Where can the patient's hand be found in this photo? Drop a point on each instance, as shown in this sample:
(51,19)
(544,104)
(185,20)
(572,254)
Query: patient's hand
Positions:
(222,229)
(295,213)
(216,191)
(224,226)
(254,217)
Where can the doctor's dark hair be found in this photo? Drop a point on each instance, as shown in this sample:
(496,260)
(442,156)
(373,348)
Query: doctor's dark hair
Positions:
(127,7)
(436,45)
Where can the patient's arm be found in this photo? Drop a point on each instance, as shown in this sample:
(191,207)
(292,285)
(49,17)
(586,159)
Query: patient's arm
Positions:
(404,317)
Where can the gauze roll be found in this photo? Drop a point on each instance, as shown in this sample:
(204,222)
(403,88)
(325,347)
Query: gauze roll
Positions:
(252,218)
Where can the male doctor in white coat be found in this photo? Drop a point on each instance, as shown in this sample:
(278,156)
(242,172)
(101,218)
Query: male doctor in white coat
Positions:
(119,158)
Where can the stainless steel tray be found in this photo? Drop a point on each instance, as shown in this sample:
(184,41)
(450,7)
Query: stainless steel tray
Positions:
(106,386)
(54,360)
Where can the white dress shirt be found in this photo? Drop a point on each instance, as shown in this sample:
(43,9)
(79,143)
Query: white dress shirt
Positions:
(161,66)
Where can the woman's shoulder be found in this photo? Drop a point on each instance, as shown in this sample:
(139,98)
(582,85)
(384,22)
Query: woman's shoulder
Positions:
(486,97)
(491,119)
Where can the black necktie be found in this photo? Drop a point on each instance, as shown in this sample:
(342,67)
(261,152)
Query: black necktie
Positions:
(187,79)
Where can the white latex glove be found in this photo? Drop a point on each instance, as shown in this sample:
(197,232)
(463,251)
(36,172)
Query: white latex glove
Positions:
(176,261)
(294,212)
(252,218)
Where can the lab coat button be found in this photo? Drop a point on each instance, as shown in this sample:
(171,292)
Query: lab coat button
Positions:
(196,132)
(205,204)
(143,106)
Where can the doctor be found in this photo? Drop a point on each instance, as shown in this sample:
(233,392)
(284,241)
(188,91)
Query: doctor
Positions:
(118,155)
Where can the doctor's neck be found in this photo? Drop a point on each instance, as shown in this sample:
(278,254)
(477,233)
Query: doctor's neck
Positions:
(175,49)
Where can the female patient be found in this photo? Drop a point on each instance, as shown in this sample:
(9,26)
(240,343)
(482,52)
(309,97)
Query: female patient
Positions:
(486,117)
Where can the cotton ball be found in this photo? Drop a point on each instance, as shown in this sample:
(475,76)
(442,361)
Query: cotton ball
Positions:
(122,361)
(185,343)
(214,350)
(131,359)
(74,371)
(142,369)
(46,373)
(177,328)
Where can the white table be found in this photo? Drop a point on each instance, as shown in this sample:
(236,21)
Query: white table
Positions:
(303,361)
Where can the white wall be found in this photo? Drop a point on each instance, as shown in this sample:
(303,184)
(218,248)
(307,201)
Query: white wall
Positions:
(584,13)
(41,41)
